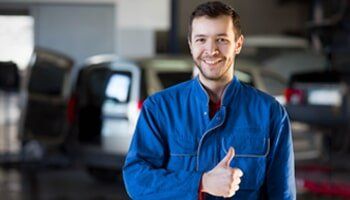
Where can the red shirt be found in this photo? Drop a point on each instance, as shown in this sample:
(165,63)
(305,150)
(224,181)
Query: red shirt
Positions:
(213,108)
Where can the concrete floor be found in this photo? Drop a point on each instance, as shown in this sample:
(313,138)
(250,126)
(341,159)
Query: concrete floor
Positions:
(65,184)
(75,183)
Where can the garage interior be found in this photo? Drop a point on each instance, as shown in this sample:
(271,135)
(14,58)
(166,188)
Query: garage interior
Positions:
(50,51)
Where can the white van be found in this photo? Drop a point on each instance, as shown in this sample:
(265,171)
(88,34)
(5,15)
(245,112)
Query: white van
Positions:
(106,102)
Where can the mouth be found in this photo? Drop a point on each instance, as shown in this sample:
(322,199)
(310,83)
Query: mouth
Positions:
(211,61)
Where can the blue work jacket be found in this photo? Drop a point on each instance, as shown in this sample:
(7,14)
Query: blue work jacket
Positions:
(175,142)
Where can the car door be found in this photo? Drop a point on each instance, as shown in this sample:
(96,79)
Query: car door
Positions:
(46,90)
(121,107)
(89,94)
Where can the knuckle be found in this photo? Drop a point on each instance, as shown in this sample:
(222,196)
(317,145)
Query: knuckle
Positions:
(237,181)
(237,172)
(237,188)
(231,193)
(240,172)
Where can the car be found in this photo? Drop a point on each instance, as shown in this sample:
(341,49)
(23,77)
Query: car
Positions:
(44,96)
(282,54)
(106,102)
(321,99)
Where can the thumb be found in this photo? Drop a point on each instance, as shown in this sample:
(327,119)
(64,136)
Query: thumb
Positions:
(225,162)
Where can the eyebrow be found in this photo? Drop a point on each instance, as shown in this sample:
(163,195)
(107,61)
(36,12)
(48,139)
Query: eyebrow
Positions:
(222,34)
(202,35)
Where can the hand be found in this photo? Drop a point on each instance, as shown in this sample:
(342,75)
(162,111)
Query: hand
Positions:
(222,180)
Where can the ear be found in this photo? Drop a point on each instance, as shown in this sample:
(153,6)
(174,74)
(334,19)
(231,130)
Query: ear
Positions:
(239,44)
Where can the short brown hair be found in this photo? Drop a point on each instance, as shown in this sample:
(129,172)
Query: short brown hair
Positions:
(215,9)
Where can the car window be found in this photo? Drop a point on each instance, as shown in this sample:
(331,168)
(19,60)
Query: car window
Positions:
(168,79)
(274,85)
(46,79)
(118,87)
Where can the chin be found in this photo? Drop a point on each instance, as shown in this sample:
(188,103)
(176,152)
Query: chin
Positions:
(212,77)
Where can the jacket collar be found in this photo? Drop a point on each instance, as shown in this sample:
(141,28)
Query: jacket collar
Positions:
(227,97)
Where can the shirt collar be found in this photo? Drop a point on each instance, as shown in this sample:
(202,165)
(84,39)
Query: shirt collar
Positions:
(227,96)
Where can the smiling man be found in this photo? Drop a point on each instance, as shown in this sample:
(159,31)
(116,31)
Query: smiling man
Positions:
(211,137)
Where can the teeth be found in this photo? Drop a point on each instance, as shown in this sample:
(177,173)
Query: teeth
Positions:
(211,62)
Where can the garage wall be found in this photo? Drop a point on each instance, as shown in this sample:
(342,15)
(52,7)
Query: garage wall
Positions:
(257,17)
(138,21)
(128,27)
(77,30)
(135,42)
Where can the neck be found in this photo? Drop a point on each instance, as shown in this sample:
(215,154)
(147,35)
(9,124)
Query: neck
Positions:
(215,88)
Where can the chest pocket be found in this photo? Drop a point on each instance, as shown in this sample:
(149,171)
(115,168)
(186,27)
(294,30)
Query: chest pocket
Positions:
(252,147)
(182,142)
(182,150)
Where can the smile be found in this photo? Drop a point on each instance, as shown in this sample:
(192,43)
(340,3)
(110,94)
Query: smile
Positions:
(212,62)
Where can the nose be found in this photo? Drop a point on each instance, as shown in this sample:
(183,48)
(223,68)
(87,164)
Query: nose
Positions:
(212,48)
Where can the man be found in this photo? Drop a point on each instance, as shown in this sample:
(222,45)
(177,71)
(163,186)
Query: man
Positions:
(211,137)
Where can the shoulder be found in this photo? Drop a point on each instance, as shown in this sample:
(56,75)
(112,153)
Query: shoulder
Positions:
(256,95)
(170,94)
(262,101)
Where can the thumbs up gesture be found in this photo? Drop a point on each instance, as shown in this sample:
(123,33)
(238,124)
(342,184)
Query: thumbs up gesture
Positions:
(222,180)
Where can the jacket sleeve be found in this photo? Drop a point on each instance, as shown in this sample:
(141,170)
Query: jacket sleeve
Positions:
(144,172)
(280,178)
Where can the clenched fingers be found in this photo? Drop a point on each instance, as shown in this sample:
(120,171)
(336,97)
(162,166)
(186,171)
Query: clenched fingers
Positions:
(232,191)
(236,181)
(237,173)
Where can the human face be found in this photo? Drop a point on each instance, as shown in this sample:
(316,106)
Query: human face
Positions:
(213,47)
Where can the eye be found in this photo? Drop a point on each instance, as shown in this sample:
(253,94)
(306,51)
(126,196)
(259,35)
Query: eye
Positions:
(222,40)
(200,40)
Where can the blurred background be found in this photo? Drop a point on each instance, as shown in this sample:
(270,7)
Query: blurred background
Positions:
(74,75)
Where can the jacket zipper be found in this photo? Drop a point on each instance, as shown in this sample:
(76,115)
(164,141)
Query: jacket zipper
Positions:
(205,133)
